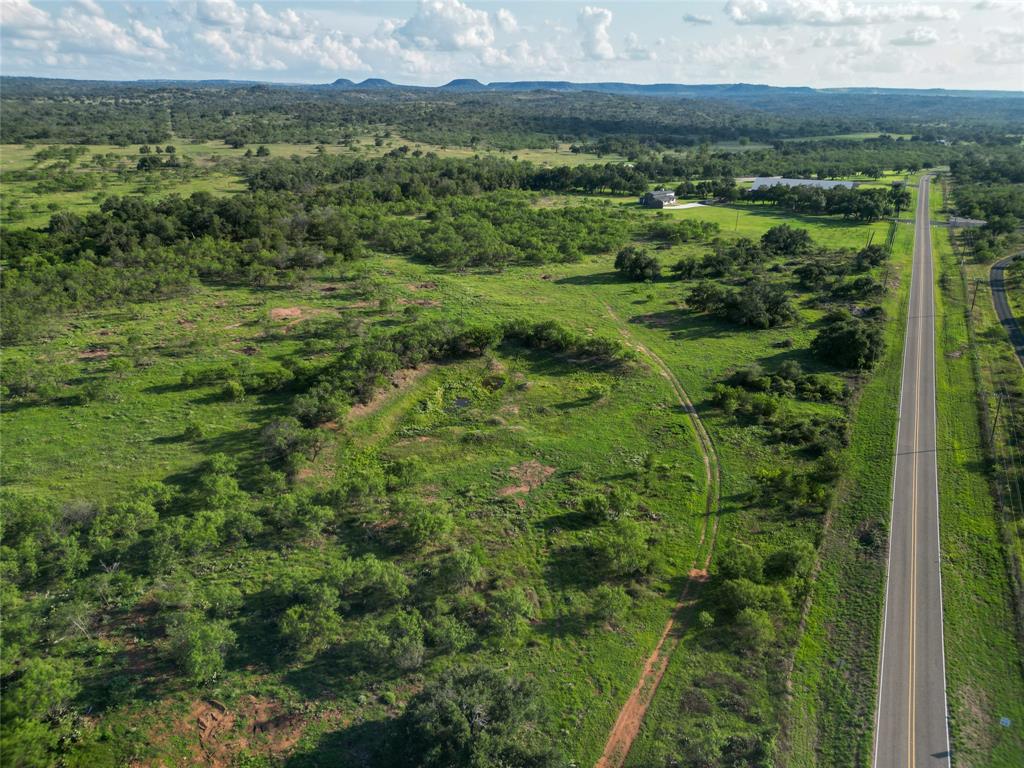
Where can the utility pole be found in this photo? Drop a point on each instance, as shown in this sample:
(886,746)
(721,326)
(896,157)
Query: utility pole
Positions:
(995,421)
(974,296)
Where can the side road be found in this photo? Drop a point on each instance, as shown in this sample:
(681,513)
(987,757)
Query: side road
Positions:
(997,280)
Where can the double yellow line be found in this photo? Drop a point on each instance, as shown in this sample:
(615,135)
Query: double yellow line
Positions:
(924,230)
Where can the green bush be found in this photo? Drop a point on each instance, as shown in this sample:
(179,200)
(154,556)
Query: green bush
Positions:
(198,645)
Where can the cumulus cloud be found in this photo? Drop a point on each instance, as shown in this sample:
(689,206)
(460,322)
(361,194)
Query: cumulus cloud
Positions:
(917,36)
(864,40)
(20,16)
(250,37)
(594,25)
(150,36)
(448,25)
(220,13)
(831,12)
(634,50)
(506,21)
(80,28)
(692,18)
(739,54)
(1001,48)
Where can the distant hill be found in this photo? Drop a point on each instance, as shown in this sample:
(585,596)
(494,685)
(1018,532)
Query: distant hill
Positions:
(734,90)
(726,91)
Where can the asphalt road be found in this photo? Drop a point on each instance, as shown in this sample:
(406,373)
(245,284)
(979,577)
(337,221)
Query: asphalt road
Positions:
(997,278)
(911,727)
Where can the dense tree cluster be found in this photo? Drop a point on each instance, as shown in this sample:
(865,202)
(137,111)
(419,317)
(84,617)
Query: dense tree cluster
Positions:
(850,341)
(759,303)
(869,204)
(133,248)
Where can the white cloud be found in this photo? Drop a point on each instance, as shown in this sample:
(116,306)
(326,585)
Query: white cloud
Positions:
(831,12)
(506,21)
(594,24)
(864,40)
(727,58)
(22,16)
(635,51)
(90,7)
(90,34)
(447,25)
(150,36)
(692,18)
(1001,48)
(220,13)
(917,36)
(336,54)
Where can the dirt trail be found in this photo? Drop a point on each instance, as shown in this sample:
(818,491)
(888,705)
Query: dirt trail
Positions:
(631,716)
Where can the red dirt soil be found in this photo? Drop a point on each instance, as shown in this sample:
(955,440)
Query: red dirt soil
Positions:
(631,716)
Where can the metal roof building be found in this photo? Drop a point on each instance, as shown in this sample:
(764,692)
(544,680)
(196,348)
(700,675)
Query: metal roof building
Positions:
(763,182)
(659,198)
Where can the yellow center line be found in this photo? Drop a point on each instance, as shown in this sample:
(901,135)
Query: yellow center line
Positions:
(917,271)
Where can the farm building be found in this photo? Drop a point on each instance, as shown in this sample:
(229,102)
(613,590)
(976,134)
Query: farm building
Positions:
(763,182)
(659,198)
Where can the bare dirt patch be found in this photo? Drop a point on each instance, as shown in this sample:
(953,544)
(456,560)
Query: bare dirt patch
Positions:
(400,380)
(294,315)
(265,728)
(527,476)
(286,313)
(426,286)
(94,353)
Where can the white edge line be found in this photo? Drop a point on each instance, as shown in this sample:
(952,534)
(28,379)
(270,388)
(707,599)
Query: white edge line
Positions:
(938,517)
(892,510)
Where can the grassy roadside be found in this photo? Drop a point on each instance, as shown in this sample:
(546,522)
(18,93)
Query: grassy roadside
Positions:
(832,686)
(982,653)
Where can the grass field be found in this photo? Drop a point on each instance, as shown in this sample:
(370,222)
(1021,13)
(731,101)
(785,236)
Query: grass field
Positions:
(92,452)
(828,720)
(982,653)
(473,442)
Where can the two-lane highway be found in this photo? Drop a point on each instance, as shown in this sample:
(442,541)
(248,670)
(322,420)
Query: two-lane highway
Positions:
(911,726)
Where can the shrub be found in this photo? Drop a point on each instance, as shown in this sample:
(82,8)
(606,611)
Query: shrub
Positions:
(754,628)
(320,404)
(311,625)
(608,603)
(786,240)
(198,645)
(636,264)
(849,341)
(405,640)
(478,718)
(449,635)
(233,390)
(461,569)
(427,525)
(623,549)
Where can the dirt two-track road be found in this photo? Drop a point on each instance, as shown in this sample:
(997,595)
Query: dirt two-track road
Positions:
(911,729)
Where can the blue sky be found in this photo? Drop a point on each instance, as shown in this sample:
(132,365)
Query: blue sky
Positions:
(896,43)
